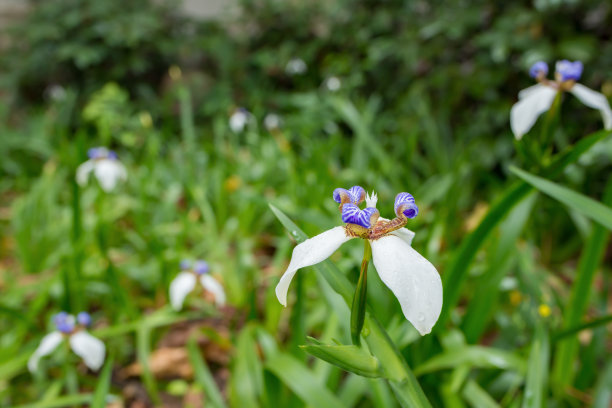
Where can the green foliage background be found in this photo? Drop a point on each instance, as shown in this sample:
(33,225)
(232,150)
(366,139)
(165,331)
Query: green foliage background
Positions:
(424,104)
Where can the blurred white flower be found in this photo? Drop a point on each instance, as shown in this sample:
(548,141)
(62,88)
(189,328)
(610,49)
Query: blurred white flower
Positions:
(537,99)
(333,83)
(239,119)
(105,166)
(185,282)
(414,281)
(86,346)
(272,121)
(55,92)
(296,66)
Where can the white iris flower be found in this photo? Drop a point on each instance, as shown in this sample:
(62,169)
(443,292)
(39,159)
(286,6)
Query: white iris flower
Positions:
(296,66)
(412,278)
(185,283)
(239,119)
(537,99)
(86,346)
(105,166)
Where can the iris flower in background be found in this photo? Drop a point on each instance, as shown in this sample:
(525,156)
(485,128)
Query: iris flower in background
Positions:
(332,84)
(105,166)
(272,121)
(412,278)
(296,66)
(86,346)
(537,99)
(186,280)
(239,119)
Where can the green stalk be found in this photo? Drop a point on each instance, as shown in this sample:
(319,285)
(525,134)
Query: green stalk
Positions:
(546,134)
(359,300)
(590,260)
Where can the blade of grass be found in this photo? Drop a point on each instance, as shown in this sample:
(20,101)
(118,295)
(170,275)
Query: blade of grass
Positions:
(537,370)
(590,261)
(301,381)
(103,386)
(77,399)
(143,341)
(476,396)
(475,356)
(203,375)
(592,209)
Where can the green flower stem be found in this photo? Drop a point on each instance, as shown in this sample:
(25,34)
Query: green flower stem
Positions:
(359,300)
(547,132)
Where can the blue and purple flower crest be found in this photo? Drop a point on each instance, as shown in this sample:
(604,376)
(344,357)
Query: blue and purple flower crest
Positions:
(569,71)
(84,319)
(538,69)
(354,195)
(200,267)
(405,205)
(185,264)
(64,322)
(351,214)
(101,153)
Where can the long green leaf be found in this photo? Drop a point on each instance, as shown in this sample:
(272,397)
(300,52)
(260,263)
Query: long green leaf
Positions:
(103,386)
(69,400)
(476,396)
(537,371)
(475,356)
(455,274)
(587,206)
(301,381)
(203,376)
(590,260)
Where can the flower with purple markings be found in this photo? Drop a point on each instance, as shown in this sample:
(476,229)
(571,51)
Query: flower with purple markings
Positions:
(74,330)
(185,282)
(239,119)
(537,99)
(412,278)
(105,166)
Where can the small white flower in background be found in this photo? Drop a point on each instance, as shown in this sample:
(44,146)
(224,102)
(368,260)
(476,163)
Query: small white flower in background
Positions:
(55,92)
(72,329)
(239,119)
(105,166)
(537,99)
(272,122)
(296,66)
(414,281)
(185,282)
(333,84)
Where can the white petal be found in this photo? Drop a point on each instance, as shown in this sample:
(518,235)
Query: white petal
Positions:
(594,100)
(180,287)
(46,347)
(310,252)
(213,286)
(412,279)
(405,234)
(82,173)
(525,92)
(89,348)
(525,112)
(109,172)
